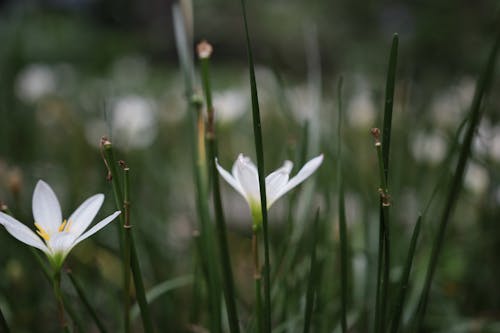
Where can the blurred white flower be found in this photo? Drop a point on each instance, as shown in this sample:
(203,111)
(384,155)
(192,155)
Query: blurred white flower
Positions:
(134,122)
(35,82)
(56,237)
(448,108)
(482,140)
(476,178)
(303,103)
(428,147)
(494,147)
(230,105)
(361,111)
(245,180)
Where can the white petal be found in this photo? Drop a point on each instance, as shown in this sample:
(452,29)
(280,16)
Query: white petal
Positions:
(98,227)
(229,178)
(46,208)
(276,181)
(246,174)
(307,170)
(21,232)
(83,215)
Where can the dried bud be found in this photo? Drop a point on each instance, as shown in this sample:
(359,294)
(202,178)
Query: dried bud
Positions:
(105,141)
(204,50)
(376,135)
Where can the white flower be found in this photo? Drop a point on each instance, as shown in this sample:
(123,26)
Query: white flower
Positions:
(35,82)
(134,121)
(245,180)
(56,237)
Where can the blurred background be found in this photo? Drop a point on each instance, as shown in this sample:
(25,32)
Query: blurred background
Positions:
(72,71)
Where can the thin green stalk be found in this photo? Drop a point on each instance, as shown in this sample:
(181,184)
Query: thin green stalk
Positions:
(110,162)
(342,217)
(383,150)
(204,50)
(56,283)
(403,285)
(257,279)
(482,87)
(389,101)
(206,236)
(204,245)
(260,168)
(126,251)
(313,276)
(384,244)
(81,293)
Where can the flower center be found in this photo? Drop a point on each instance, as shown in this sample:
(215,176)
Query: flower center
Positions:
(64,227)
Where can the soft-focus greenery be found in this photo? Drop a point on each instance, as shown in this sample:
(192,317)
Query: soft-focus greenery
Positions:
(74,71)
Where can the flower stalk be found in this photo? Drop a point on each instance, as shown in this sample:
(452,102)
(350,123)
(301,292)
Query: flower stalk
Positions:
(108,155)
(204,52)
(56,283)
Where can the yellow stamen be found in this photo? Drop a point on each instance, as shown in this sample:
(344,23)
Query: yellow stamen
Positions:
(61,227)
(68,225)
(44,234)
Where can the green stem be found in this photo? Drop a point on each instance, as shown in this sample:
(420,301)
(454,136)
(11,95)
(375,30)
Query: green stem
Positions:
(134,262)
(208,253)
(49,276)
(126,252)
(257,129)
(403,286)
(313,276)
(56,282)
(342,218)
(227,273)
(257,278)
(483,85)
(86,302)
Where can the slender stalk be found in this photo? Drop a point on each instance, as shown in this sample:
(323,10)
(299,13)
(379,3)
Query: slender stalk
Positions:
(110,162)
(81,293)
(311,286)
(384,244)
(49,276)
(257,278)
(196,126)
(56,283)
(383,149)
(482,87)
(206,235)
(126,251)
(257,129)
(342,218)
(204,51)
(403,285)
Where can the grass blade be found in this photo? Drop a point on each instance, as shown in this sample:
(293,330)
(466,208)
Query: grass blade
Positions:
(383,149)
(482,87)
(260,168)
(311,286)
(403,284)
(161,289)
(342,217)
